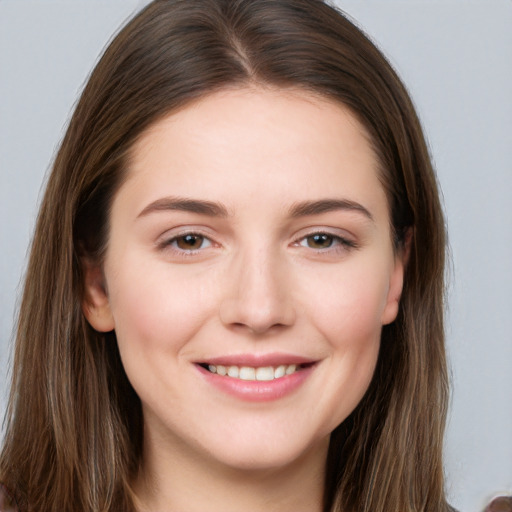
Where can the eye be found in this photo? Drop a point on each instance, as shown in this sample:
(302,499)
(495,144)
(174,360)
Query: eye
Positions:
(323,241)
(318,241)
(189,242)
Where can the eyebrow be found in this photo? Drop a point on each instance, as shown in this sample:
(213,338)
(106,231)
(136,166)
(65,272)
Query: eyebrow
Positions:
(208,208)
(213,209)
(307,208)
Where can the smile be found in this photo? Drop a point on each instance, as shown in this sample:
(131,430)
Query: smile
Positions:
(257,379)
(262,373)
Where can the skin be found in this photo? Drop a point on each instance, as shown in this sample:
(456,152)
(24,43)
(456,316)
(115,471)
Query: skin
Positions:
(256,282)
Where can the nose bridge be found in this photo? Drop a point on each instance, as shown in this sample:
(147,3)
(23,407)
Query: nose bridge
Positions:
(259,276)
(260,294)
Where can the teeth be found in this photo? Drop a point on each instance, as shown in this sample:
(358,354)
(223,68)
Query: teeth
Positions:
(280,371)
(247,373)
(264,373)
(290,369)
(233,371)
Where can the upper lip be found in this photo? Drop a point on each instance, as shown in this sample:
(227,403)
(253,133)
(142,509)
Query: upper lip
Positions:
(257,360)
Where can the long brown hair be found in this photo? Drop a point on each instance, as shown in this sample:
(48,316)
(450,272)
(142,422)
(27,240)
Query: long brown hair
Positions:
(74,425)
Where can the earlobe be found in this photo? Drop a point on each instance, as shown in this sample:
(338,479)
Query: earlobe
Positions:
(95,303)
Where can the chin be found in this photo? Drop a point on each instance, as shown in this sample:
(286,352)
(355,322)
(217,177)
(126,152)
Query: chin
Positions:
(269,454)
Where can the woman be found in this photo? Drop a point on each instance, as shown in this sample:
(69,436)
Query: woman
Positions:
(235,292)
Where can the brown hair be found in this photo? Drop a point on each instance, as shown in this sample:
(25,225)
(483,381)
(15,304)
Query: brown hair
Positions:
(74,425)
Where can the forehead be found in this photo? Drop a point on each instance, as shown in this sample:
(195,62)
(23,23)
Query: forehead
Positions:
(256,141)
(258,107)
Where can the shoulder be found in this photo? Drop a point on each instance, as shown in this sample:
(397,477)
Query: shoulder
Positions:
(7,502)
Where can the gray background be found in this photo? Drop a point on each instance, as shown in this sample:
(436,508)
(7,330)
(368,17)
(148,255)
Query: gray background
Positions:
(454,55)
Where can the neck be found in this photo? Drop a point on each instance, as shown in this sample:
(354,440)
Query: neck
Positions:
(176,480)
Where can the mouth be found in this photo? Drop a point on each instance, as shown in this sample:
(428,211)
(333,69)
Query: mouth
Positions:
(257,377)
(258,373)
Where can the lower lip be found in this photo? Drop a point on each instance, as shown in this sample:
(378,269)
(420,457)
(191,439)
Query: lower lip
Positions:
(257,390)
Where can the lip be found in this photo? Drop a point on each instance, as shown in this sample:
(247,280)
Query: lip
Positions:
(257,360)
(258,391)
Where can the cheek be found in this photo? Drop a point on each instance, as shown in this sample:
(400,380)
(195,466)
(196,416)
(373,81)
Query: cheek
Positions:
(156,308)
(347,312)
(348,309)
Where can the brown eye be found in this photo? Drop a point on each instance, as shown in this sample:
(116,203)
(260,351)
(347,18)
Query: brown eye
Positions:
(320,241)
(327,242)
(190,242)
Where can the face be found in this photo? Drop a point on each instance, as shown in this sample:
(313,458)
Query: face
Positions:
(248,274)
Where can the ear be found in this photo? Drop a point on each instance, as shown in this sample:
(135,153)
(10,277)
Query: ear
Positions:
(396,282)
(95,304)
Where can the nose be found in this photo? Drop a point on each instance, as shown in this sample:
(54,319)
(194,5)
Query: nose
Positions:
(259,295)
